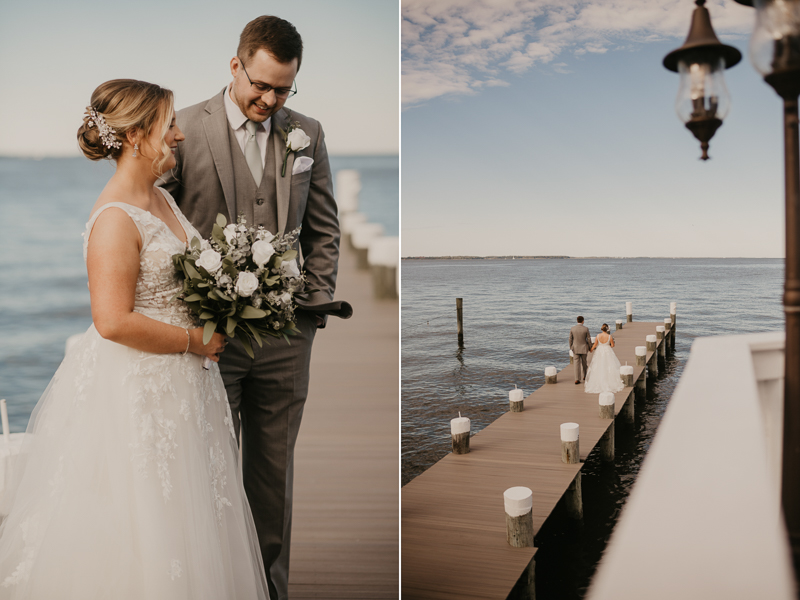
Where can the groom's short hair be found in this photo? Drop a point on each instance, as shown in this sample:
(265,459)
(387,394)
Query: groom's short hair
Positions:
(580,319)
(278,37)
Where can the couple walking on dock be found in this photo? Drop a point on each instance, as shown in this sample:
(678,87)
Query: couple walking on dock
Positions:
(602,375)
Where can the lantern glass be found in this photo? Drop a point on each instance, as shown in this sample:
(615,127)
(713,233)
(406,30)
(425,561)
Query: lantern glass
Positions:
(775,43)
(702,93)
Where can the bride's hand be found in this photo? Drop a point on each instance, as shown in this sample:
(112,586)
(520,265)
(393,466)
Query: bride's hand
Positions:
(214,347)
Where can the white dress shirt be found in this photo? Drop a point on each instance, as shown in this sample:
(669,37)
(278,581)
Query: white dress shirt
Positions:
(237,121)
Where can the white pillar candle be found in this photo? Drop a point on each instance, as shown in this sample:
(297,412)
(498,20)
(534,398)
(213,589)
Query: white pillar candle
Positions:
(569,432)
(515,395)
(4,418)
(459,425)
(641,350)
(606,399)
(651,338)
(629,308)
(672,307)
(626,370)
(660,329)
(518,501)
(550,371)
(667,321)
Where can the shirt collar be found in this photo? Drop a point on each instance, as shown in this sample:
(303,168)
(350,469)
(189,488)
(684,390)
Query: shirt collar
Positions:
(235,116)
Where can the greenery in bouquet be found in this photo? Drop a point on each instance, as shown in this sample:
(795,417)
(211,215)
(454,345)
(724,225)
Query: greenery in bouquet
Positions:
(242,282)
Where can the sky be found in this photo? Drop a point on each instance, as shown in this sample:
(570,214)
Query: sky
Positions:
(547,127)
(54,53)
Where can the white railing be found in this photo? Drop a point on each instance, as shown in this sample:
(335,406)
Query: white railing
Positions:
(703,519)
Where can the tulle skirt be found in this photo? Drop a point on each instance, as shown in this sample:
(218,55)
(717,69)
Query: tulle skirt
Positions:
(603,373)
(128,485)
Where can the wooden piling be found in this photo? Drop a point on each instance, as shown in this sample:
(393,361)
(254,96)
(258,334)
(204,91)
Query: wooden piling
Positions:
(619,324)
(551,375)
(652,366)
(626,375)
(629,311)
(518,503)
(460,318)
(628,410)
(515,398)
(574,498)
(459,432)
(661,335)
(570,452)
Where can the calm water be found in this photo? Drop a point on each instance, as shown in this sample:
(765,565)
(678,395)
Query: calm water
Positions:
(517,316)
(44,205)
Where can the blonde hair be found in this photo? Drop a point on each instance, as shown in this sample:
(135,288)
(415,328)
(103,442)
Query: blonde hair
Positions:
(128,105)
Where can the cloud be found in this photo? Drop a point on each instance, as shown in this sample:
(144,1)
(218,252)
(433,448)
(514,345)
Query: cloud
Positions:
(452,47)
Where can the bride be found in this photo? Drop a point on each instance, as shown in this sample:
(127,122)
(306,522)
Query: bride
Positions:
(603,373)
(128,485)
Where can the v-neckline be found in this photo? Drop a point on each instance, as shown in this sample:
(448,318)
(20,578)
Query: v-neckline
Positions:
(177,218)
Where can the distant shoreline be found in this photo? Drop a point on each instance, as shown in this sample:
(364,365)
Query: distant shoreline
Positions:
(519,257)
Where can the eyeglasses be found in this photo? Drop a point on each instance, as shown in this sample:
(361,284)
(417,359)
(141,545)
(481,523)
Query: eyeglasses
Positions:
(264,88)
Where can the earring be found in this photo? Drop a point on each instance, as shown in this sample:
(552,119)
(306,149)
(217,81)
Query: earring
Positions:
(135,148)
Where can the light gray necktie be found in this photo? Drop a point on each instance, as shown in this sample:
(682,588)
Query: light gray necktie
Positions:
(251,152)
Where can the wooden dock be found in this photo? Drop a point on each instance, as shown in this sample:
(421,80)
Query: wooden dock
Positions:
(453,520)
(346,502)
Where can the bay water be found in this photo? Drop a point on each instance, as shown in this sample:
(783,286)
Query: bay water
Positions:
(517,315)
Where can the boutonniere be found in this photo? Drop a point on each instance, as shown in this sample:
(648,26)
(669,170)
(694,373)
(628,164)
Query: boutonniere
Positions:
(295,138)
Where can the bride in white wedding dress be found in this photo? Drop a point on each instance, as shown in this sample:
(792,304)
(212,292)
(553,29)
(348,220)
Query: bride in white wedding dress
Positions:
(603,373)
(129,485)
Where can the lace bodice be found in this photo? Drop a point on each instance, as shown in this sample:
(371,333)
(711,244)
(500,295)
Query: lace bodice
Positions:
(158,281)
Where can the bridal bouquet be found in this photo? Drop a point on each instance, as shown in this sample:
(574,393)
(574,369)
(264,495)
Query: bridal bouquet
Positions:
(242,282)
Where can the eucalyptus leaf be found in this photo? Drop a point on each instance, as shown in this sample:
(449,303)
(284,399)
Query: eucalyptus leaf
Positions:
(208,331)
(230,326)
(250,312)
(193,298)
(245,339)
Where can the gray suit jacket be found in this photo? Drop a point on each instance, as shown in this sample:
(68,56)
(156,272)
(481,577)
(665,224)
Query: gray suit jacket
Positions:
(203,180)
(579,339)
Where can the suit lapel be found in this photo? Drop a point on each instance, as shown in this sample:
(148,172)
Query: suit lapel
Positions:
(283,185)
(216,129)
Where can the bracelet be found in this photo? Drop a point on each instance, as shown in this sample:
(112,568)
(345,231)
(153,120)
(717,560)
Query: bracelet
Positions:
(188,342)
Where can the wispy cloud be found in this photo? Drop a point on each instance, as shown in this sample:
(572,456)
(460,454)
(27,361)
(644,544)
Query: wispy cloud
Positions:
(463,46)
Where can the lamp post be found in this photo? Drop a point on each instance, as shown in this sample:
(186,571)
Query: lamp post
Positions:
(775,53)
(703,100)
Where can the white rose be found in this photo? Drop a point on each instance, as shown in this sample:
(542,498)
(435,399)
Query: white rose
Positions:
(264,234)
(262,252)
(210,260)
(246,284)
(290,269)
(297,140)
(230,232)
(285,299)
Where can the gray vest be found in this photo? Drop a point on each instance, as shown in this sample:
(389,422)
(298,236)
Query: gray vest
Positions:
(259,205)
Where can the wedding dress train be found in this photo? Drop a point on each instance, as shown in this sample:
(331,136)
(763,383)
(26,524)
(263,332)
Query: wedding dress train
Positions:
(603,373)
(129,485)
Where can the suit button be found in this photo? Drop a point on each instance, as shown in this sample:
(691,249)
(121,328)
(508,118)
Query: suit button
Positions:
(260,201)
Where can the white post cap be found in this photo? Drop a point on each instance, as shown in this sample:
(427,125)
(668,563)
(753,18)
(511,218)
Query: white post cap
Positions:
(550,371)
(619,321)
(606,399)
(660,329)
(668,321)
(384,251)
(569,432)
(516,395)
(626,370)
(641,350)
(363,233)
(629,308)
(459,425)
(672,307)
(651,338)
(518,501)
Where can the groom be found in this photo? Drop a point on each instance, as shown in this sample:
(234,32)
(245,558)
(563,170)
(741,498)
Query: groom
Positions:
(234,161)
(580,342)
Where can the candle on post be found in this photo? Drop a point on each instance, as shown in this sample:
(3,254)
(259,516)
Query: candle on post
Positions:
(606,400)
(619,323)
(515,397)
(550,375)
(4,418)
(518,503)
(570,452)
(629,311)
(626,375)
(459,431)
(661,335)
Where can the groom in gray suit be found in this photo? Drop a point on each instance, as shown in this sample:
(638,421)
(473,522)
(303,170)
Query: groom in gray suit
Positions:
(234,160)
(580,342)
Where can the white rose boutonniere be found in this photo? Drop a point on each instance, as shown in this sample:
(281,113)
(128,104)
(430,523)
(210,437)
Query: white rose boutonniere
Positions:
(296,139)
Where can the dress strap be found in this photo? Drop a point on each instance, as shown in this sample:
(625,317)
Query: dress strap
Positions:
(121,205)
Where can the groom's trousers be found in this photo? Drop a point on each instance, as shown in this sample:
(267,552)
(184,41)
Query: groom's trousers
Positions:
(267,395)
(580,363)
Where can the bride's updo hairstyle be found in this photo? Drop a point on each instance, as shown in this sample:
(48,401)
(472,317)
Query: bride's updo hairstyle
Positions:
(126,105)
(604,328)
